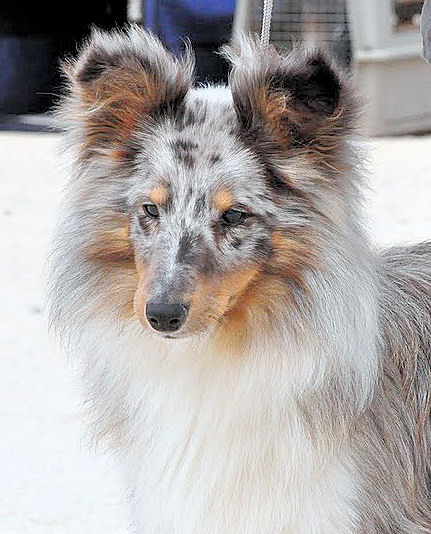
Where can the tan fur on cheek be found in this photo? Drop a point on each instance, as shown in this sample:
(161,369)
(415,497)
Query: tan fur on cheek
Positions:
(141,293)
(110,252)
(110,243)
(257,293)
(221,292)
(292,256)
(233,286)
(220,301)
(233,332)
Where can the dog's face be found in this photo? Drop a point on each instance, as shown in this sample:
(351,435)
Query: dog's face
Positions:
(201,228)
(206,201)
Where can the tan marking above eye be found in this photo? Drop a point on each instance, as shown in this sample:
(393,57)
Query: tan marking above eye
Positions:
(223,200)
(159,194)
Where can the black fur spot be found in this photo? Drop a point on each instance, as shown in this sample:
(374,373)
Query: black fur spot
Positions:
(185,145)
(207,263)
(183,151)
(215,158)
(237,242)
(274,181)
(263,247)
(192,251)
(172,105)
(200,205)
(189,118)
(185,249)
(130,151)
(188,160)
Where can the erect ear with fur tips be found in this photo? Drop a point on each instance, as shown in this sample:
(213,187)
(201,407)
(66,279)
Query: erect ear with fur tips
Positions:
(286,105)
(118,79)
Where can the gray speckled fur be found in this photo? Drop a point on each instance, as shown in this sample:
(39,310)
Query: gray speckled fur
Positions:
(363,317)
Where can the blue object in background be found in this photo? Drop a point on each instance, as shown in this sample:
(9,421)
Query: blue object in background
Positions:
(26,72)
(206,24)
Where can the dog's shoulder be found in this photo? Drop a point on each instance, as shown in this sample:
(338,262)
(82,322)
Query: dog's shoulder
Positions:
(406,281)
(405,319)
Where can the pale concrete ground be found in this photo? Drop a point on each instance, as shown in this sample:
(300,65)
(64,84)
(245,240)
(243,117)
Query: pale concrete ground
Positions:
(49,482)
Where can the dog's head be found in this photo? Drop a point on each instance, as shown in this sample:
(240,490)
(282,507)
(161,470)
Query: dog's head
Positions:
(199,207)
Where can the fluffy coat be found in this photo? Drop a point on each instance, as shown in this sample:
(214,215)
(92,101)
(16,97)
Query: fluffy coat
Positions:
(296,397)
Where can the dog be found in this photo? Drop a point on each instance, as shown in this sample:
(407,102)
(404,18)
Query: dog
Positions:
(254,362)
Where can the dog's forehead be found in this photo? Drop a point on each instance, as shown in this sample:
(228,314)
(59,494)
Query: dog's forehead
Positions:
(199,149)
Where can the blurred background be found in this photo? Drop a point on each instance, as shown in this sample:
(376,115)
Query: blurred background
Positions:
(379,41)
(50,482)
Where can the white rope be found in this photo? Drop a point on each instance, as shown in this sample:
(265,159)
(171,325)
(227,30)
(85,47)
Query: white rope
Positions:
(266,21)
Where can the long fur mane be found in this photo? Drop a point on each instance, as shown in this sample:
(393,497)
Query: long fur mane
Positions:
(308,411)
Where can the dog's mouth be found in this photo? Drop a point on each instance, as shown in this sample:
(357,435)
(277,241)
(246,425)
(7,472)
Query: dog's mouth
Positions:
(186,332)
(171,337)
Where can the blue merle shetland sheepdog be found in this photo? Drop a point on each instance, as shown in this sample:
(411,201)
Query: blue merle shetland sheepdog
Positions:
(255,364)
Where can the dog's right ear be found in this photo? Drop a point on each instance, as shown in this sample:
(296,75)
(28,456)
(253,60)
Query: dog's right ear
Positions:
(118,79)
(298,103)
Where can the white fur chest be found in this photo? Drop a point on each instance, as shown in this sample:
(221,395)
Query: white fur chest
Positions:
(218,449)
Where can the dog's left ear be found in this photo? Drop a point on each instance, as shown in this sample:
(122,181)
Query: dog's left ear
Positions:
(119,79)
(300,102)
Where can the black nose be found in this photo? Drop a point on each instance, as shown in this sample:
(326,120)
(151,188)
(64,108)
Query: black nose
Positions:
(166,317)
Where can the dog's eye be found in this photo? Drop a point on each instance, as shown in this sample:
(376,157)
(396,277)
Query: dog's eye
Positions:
(231,217)
(152,210)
